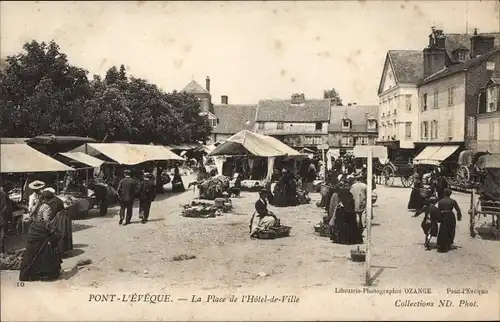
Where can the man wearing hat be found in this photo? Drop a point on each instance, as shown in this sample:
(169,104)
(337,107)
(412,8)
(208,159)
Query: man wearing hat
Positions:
(358,191)
(147,193)
(126,193)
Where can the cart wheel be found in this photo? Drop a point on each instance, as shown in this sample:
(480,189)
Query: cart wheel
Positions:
(388,174)
(407,181)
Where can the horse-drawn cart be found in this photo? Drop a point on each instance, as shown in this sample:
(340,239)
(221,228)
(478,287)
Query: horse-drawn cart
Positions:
(403,170)
(485,199)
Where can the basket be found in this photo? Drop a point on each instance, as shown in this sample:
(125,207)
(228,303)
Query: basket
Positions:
(282,231)
(268,234)
(425,193)
(358,255)
(325,189)
(317,228)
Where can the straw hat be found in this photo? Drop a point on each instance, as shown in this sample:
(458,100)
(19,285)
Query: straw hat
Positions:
(36,185)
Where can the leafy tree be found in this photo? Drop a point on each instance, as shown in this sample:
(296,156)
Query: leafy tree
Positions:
(334,96)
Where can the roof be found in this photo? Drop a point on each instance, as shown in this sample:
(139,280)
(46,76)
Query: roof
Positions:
(83,158)
(495,80)
(21,158)
(460,67)
(129,154)
(184,146)
(408,65)
(234,118)
(358,114)
(13,140)
(194,88)
(462,41)
(250,143)
(316,110)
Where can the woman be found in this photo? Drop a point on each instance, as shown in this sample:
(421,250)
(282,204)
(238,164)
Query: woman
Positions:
(177,184)
(41,260)
(262,218)
(430,222)
(62,222)
(446,235)
(280,195)
(36,197)
(345,229)
(416,201)
(55,204)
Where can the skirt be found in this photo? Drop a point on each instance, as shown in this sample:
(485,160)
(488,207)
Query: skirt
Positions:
(62,222)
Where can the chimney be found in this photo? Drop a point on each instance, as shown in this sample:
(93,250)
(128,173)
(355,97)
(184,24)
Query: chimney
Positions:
(481,44)
(298,98)
(223,99)
(207,82)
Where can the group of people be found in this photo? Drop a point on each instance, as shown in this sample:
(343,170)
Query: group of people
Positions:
(50,233)
(438,208)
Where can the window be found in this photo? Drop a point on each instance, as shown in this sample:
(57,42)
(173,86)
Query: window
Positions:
(450,128)
(261,125)
(408,102)
(372,125)
(434,130)
(491,99)
(279,126)
(347,141)
(471,127)
(436,98)
(408,130)
(462,55)
(213,122)
(451,94)
(361,141)
(346,124)
(319,126)
(491,131)
(424,102)
(424,130)
(313,140)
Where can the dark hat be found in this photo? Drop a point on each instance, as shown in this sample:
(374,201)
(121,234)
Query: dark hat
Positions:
(127,172)
(262,191)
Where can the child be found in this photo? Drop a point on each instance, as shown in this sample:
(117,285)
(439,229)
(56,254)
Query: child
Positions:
(430,221)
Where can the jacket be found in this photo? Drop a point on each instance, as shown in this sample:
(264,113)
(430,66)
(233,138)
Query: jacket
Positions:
(147,191)
(127,189)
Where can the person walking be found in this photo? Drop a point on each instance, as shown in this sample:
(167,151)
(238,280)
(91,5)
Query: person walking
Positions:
(447,229)
(127,189)
(147,193)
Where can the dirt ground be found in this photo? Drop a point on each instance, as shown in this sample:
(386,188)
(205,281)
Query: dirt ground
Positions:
(226,257)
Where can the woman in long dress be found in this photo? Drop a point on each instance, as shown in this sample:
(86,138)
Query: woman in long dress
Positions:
(41,259)
(62,222)
(446,235)
(416,201)
(177,183)
(345,229)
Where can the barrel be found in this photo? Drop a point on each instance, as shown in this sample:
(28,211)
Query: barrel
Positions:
(325,189)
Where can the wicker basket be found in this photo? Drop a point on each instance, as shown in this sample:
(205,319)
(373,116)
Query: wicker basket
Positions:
(268,234)
(358,255)
(282,231)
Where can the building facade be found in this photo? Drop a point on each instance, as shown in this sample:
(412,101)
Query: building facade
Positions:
(352,125)
(204,97)
(488,117)
(398,100)
(298,122)
(450,92)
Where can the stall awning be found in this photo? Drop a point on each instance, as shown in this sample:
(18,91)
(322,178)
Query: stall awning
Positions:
(83,158)
(443,153)
(246,142)
(23,158)
(426,154)
(129,154)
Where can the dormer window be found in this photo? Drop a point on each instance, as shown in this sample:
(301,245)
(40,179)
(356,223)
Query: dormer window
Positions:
(372,125)
(346,124)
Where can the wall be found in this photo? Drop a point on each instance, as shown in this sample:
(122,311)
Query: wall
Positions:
(214,137)
(488,132)
(271,127)
(445,113)
(335,138)
(398,96)
(477,78)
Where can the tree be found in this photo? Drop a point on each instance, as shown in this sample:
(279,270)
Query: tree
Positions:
(334,97)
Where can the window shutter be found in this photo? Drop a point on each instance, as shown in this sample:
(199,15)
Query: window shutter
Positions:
(482,102)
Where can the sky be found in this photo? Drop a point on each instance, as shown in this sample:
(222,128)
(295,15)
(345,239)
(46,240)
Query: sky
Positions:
(251,50)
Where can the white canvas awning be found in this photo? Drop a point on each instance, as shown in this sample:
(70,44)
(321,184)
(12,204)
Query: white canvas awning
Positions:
(246,142)
(129,154)
(442,154)
(20,158)
(426,154)
(84,158)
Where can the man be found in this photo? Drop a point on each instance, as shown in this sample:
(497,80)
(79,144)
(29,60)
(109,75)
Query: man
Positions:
(358,191)
(126,193)
(262,218)
(101,195)
(147,193)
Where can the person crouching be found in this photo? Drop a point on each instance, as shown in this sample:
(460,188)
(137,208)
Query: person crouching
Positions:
(262,219)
